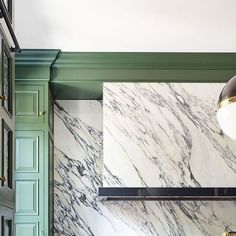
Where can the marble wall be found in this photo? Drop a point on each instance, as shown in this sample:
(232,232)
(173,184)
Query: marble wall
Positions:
(159,134)
(79,172)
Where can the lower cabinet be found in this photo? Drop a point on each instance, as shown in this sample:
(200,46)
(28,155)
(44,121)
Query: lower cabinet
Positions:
(30,187)
(6,221)
(34,159)
(27,228)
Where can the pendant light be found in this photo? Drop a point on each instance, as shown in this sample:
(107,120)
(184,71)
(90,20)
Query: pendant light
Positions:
(226,109)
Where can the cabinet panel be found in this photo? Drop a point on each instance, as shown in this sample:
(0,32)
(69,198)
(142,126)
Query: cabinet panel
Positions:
(27,154)
(27,103)
(27,199)
(6,78)
(51,114)
(30,166)
(34,158)
(30,105)
(51,185)
(27,228)
(7,124)
(6,170)
(7,128)
(6,155)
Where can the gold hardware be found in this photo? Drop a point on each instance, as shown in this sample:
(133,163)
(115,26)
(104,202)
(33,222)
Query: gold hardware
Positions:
(3,98)
(3,178)
(226,101)
(229,234)
(41,113)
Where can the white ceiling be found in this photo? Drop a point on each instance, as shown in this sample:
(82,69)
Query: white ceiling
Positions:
(127,25)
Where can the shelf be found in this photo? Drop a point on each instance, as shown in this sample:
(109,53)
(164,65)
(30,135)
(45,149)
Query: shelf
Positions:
(166,194)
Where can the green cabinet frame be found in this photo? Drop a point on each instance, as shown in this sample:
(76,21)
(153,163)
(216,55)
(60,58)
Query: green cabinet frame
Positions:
(30,103)
(34,158)
(7,140)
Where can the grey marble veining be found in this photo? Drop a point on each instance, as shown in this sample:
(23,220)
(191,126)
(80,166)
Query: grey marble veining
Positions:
(78,173)
(165,134)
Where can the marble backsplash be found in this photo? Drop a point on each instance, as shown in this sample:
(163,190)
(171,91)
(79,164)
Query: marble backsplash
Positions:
(165,135)
(79,171)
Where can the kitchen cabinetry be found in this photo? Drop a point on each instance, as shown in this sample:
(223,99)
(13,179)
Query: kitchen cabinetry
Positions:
(34,135)
(7,128)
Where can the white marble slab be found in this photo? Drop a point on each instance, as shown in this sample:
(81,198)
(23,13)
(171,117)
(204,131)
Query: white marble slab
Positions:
(159,134)
(78,173)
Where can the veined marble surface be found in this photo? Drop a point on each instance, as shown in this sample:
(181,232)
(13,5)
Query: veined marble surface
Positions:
(165,134)
(78,173)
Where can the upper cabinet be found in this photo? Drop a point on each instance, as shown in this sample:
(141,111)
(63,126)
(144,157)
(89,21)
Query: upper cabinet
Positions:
(7,158)
(30,103)
(34,158)
(7,120)
(34,144)
(7,78)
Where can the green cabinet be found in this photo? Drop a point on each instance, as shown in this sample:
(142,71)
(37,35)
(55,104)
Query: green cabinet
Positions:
(27,228)
(7,126)
(29,182)
(7,185)
(34,143)
(51,185)
(34,158)
(30,103)
(7,140)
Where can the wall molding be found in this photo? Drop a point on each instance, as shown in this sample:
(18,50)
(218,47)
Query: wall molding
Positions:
(35,64)
(80,75)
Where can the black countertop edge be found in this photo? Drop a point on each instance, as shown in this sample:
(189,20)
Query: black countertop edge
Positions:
(166,193)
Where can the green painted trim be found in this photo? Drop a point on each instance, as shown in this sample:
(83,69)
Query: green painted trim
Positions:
(115,75)
(149,61)
(36,57)
(32,73)
(35,64)
(80,75)
(77,91)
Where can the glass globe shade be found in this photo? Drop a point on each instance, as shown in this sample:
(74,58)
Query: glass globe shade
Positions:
(226,117)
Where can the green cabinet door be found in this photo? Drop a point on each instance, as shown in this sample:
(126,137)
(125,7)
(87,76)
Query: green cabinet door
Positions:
(7,140)
(51,115)
(51,185)
(30,103)
(29,212)
(34,157)
(7,195)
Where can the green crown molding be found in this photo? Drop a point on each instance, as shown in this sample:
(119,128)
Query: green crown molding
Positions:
(147,61)
(80,75)
(35,64)
(36,57)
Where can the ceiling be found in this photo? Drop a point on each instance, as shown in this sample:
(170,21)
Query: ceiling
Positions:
(127,25)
